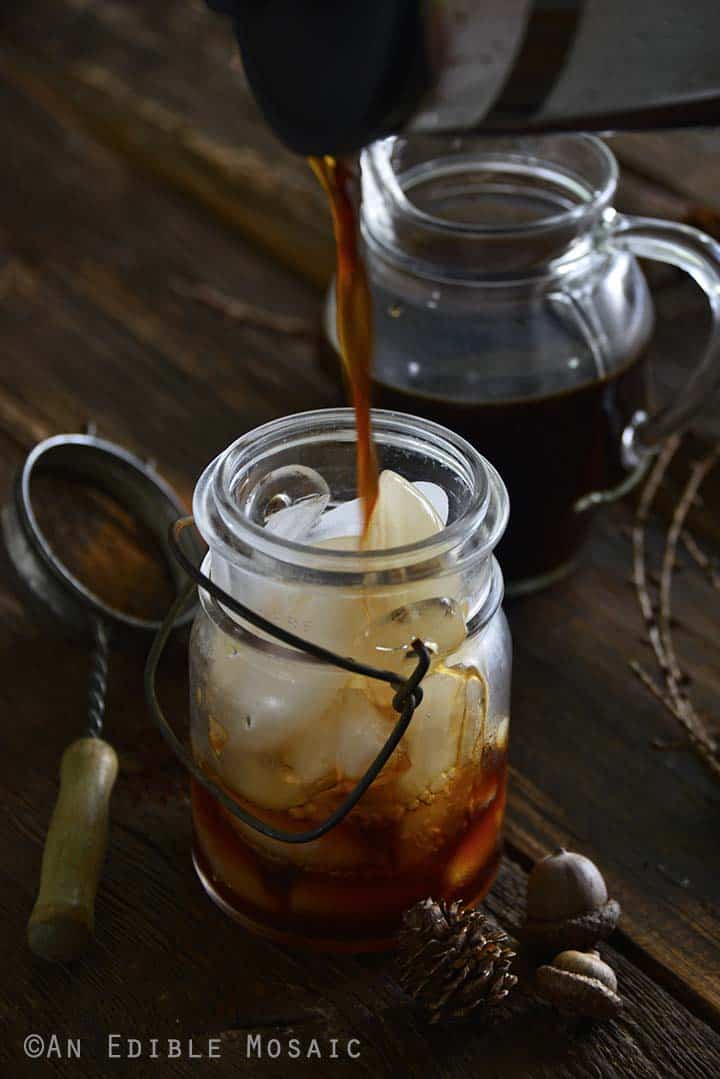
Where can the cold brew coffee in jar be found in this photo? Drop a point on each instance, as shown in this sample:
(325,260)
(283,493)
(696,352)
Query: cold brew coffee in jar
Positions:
(287,736)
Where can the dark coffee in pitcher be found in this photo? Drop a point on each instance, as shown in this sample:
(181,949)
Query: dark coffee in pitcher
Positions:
(554,443)
(552,449)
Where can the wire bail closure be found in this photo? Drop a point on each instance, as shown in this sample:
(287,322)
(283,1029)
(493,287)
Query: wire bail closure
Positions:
(408,695)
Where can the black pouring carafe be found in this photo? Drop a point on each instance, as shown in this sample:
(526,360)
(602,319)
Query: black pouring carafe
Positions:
(330,77)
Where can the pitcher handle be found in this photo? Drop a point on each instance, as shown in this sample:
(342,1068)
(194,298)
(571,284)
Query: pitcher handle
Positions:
(699,256)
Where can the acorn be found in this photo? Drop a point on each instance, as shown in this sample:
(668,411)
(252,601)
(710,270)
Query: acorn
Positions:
(580,983)
(567,904)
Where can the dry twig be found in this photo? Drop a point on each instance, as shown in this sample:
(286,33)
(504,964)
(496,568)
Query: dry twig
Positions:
(647,497)
(673,694)
(700,559)
(702,742)
(239,311)
(698,472)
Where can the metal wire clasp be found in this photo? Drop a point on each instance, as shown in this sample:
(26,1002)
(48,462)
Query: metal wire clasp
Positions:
(408,695)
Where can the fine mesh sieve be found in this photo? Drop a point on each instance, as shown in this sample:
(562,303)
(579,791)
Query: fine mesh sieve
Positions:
(51,564)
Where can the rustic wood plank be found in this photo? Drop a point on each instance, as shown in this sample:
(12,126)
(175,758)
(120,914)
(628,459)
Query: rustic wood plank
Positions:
(622,1051)
(92,253)
(583,734)
(97,267)
(132,78)
(169,964)
(687,164)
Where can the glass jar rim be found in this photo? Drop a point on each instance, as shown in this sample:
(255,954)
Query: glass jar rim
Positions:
(377,158)
(469,538)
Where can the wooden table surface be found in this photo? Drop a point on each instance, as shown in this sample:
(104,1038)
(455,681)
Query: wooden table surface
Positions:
(135,170)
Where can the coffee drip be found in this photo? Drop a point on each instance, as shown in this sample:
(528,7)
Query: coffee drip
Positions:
(354,319)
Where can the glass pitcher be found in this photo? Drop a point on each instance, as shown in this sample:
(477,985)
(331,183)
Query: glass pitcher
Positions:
(287,735)
(509,306)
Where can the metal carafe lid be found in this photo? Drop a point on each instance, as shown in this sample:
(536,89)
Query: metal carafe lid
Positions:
(331,77)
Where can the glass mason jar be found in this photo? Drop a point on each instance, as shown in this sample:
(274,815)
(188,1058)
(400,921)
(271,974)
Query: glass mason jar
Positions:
(509,306)
(288,736)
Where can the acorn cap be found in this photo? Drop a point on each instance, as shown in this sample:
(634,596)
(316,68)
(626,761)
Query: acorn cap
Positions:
(589,964)
(580,983)
(580,933)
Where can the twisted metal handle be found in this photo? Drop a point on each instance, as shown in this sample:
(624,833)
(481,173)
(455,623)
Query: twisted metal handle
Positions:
(97,686)
(408,695)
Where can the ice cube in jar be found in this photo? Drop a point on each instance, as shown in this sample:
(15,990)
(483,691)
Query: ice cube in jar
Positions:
(302,729)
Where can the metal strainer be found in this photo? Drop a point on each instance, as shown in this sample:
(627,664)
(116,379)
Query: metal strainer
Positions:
(61,923)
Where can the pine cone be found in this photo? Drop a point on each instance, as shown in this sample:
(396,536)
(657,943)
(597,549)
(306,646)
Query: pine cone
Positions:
(453,960)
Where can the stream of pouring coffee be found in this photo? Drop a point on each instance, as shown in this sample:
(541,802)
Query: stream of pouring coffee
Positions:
(354,319)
